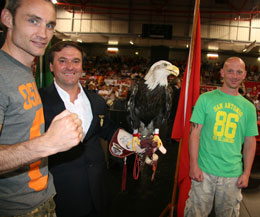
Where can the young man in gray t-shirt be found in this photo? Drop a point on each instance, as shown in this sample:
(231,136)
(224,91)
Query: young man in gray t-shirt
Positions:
(26,187)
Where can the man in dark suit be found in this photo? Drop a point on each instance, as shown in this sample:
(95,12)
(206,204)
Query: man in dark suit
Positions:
(79,174)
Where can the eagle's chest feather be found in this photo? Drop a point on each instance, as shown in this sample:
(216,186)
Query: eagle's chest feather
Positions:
(150,103)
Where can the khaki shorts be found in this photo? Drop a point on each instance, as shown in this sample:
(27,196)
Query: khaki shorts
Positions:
(45,210)
(220,191)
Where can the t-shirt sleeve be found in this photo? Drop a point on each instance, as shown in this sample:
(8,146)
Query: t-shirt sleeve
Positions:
(198,113)
(252,129)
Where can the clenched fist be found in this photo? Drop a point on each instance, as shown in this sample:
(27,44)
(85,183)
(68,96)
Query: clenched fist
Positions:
(64,132)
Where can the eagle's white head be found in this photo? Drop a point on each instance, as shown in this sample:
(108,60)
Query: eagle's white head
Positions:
(158,73)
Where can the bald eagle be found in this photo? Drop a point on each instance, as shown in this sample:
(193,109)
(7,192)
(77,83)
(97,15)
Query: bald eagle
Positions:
(150,102)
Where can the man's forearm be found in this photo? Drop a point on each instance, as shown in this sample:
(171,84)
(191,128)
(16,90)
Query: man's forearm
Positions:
(64,133)
(249,154)
(17,155)
(194,143)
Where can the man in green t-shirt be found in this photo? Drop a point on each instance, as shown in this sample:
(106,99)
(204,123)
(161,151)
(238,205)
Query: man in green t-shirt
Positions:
(223,123)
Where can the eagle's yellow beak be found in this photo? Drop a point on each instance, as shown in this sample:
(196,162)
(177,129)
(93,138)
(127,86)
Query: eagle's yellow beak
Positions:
(174,70)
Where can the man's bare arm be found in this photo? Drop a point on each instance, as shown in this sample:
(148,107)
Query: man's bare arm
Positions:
(64,133)
(249,154)
(194,141)
(248,159)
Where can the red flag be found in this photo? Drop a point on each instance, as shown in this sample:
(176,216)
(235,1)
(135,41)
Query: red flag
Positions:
(181,127)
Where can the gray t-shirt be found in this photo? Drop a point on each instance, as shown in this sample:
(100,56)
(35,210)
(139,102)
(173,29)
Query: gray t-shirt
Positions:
(21,117)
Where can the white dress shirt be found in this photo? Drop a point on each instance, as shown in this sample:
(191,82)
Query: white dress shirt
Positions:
(81,106)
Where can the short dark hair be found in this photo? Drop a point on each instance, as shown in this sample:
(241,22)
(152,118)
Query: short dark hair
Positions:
(12,6)
(62,44)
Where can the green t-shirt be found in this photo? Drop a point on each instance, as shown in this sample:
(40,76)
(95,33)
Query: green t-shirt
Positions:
(226,121)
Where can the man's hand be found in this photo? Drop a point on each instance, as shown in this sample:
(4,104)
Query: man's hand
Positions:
(196,173)
(243,181)
(64,132)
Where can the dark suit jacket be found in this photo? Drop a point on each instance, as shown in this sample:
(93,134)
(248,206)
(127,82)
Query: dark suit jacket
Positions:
(80,173)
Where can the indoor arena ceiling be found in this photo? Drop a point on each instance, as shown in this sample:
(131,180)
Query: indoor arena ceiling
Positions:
(233,13)
(236,11)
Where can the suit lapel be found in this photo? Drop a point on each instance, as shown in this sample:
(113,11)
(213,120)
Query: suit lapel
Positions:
(96,119)
(55,99)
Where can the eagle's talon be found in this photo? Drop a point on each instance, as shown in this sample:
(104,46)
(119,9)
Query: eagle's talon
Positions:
(160,146)
(135,140)
(157,139)
(127,145)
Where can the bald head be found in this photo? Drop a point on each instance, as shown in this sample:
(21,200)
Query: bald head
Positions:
(235,60)
(233,74)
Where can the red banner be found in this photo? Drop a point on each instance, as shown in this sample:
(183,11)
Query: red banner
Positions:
(189,94)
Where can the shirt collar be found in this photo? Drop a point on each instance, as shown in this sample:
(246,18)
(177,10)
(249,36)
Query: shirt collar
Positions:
(64,95)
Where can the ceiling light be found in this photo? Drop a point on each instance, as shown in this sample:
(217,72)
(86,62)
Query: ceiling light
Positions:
(136,53)
(112,50)
(131,42)
(79,40)
(212,47)
(54,1)
(258,59)
(212,55)
(113,42)
(66,39)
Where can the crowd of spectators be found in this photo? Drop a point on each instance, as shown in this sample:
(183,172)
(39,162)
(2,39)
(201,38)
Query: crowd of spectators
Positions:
(254,97)
(210,73)
(100,69)
(116,66)
(133,68)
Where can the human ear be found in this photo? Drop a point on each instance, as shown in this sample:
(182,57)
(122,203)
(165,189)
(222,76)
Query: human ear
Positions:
(222,73)
(7,18)
(245,74)
(51,67)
